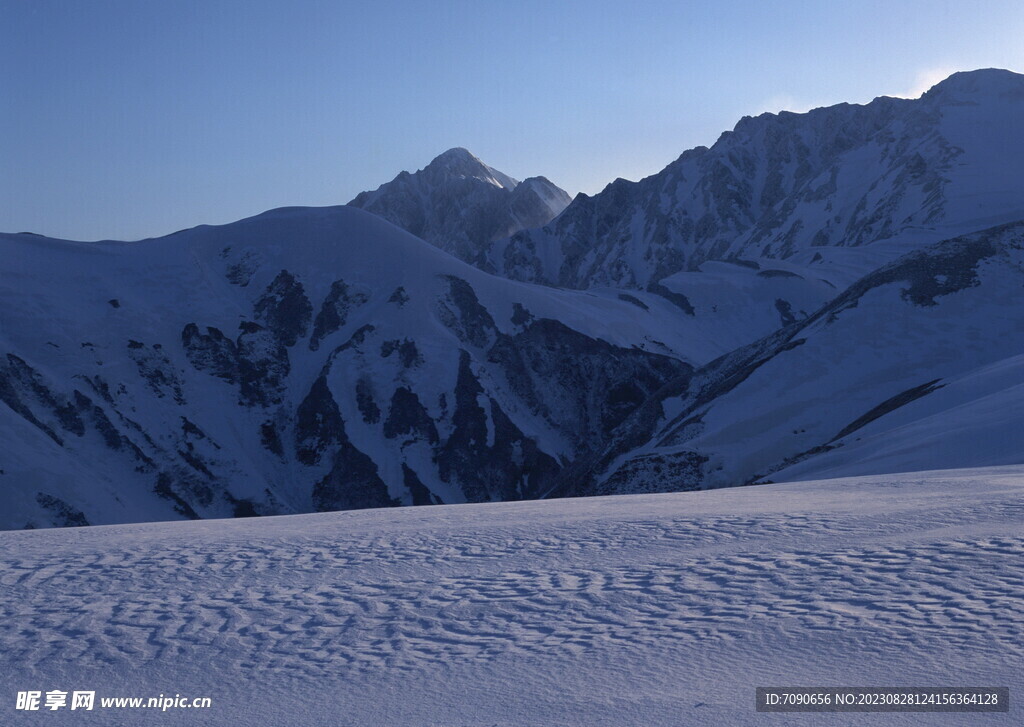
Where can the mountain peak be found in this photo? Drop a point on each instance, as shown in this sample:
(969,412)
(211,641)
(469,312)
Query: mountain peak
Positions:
(965,85)
(460,204)
(459,162)
(456,154)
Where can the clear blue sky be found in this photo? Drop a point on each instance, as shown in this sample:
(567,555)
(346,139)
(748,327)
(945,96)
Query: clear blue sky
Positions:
(127,119)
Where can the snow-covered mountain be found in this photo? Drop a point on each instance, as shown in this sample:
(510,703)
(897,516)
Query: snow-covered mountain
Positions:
(821,294)
(300,360)
(460,204)
(797,187)
(918,365)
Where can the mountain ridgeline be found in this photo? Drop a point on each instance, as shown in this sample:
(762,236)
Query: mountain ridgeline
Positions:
(822,294)
(788,186)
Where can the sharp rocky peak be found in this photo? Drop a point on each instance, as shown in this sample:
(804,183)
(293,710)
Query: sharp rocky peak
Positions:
(460,204)
(459,162)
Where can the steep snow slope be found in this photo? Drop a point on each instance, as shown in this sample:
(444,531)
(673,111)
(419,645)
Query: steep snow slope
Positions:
(728,305)
(915,365)
(787,185)
(645,610)
(970,419)
(303,359)
(460,204)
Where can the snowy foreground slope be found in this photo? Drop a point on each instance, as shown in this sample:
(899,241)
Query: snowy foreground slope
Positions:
(634,610)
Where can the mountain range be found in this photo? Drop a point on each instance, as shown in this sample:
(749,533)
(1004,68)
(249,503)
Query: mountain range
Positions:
(797,187)
(818,294)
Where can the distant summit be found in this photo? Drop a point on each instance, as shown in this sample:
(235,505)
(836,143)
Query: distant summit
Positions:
(459,163)
(989,83)
(460,204)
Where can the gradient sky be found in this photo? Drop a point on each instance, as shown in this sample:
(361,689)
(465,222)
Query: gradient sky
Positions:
(135,118)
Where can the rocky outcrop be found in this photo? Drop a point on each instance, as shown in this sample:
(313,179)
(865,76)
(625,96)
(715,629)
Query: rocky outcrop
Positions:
(486,455)
(284,309)
(334,311)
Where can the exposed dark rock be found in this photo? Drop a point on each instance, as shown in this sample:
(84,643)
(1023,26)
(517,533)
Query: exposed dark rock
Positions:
(466,448)
(668,472)
(488,456)
(520,316)
(754,193)
(212,352)
(528,472)
(352,483)
(19,380)
(191,430)
(271,439)
(240,273)
(935,271)
(284,309)
(778,274)
(334,312)
(111,436)
(677,299)
(456,204)
(98,385)
(408,417)
(9,387)
(364,400)
(785,311)
(928,274)
(196,462)
(318,423)
(357,339)
(407,352)
(421,494)
(399,297)
(463,314)
(889,405)
(263,366)
(583,386)
(634,300)
(258,362)
(792,460)
(726,373)
(165,489)
(64,515)
(157,370)
(244,508)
